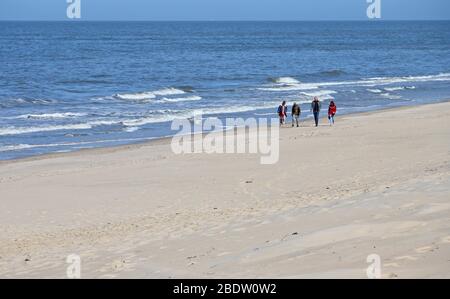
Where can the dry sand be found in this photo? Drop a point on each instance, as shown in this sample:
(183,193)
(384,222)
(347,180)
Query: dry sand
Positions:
(375,183)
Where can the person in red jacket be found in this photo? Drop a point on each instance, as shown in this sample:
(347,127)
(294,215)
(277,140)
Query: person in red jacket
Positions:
(331,112)
(282,112)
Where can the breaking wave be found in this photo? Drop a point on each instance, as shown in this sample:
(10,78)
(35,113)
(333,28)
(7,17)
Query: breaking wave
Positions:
(176,100)
(130,124)
(323,94)
(399,88)
(287,84)
(48,116)
(149,95)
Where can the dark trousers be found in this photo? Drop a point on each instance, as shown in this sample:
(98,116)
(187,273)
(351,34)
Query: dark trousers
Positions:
(316,118)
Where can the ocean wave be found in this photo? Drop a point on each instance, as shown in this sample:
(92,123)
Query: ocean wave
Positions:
(136,96)
(168,92)
(48,116)
(285,80)
(148,95)
(26,130)
(185,88)
(7,148)
(390,96)
(237,109)
(399,88)
(375,90)
(10,103)
(293,87)
(15,147)
(131,124)
(395,80)
(176,100)
(157,116)
(370,82)
(131,129)
(187,114)
(68,127)
(288,84)
(323,94)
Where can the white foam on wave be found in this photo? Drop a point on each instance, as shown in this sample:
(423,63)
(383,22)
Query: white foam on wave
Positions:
(148,95)
(288,84)
(236,109)
(79,126)
(25,130)
(286,80)
(16,147)
(323,94)
(169,92)
(136,96)
(371,82)
(176,100)
(390,96)
(399,88)
(166,117)
(153,119)
(131,129)
(375,90)
(301,86)
(133,124)
(48,116)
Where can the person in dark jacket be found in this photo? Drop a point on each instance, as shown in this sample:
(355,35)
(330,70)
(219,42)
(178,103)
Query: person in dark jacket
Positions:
(315,109)
(296,111)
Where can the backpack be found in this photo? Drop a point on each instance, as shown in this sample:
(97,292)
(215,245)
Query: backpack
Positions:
(280,109)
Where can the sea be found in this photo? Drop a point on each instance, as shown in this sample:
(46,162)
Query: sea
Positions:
(66,86)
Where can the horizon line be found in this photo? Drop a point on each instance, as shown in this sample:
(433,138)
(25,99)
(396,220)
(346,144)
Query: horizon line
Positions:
(312,20)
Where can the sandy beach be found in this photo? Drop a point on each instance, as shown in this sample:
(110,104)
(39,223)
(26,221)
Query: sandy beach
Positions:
(375,183)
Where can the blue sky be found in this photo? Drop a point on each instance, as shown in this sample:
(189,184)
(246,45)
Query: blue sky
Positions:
(224,9)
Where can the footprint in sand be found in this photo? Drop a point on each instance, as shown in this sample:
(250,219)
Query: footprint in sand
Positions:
(395,265)
(406,257)
(118,265)
(424,249)
(224,253)
(445,240)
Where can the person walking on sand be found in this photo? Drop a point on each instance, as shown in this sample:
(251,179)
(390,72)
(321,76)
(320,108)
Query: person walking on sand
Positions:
(282,112)
(332,112)
(296,111)
(315,109)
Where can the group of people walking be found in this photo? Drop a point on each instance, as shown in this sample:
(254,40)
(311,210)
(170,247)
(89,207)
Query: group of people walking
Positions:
(316,106)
